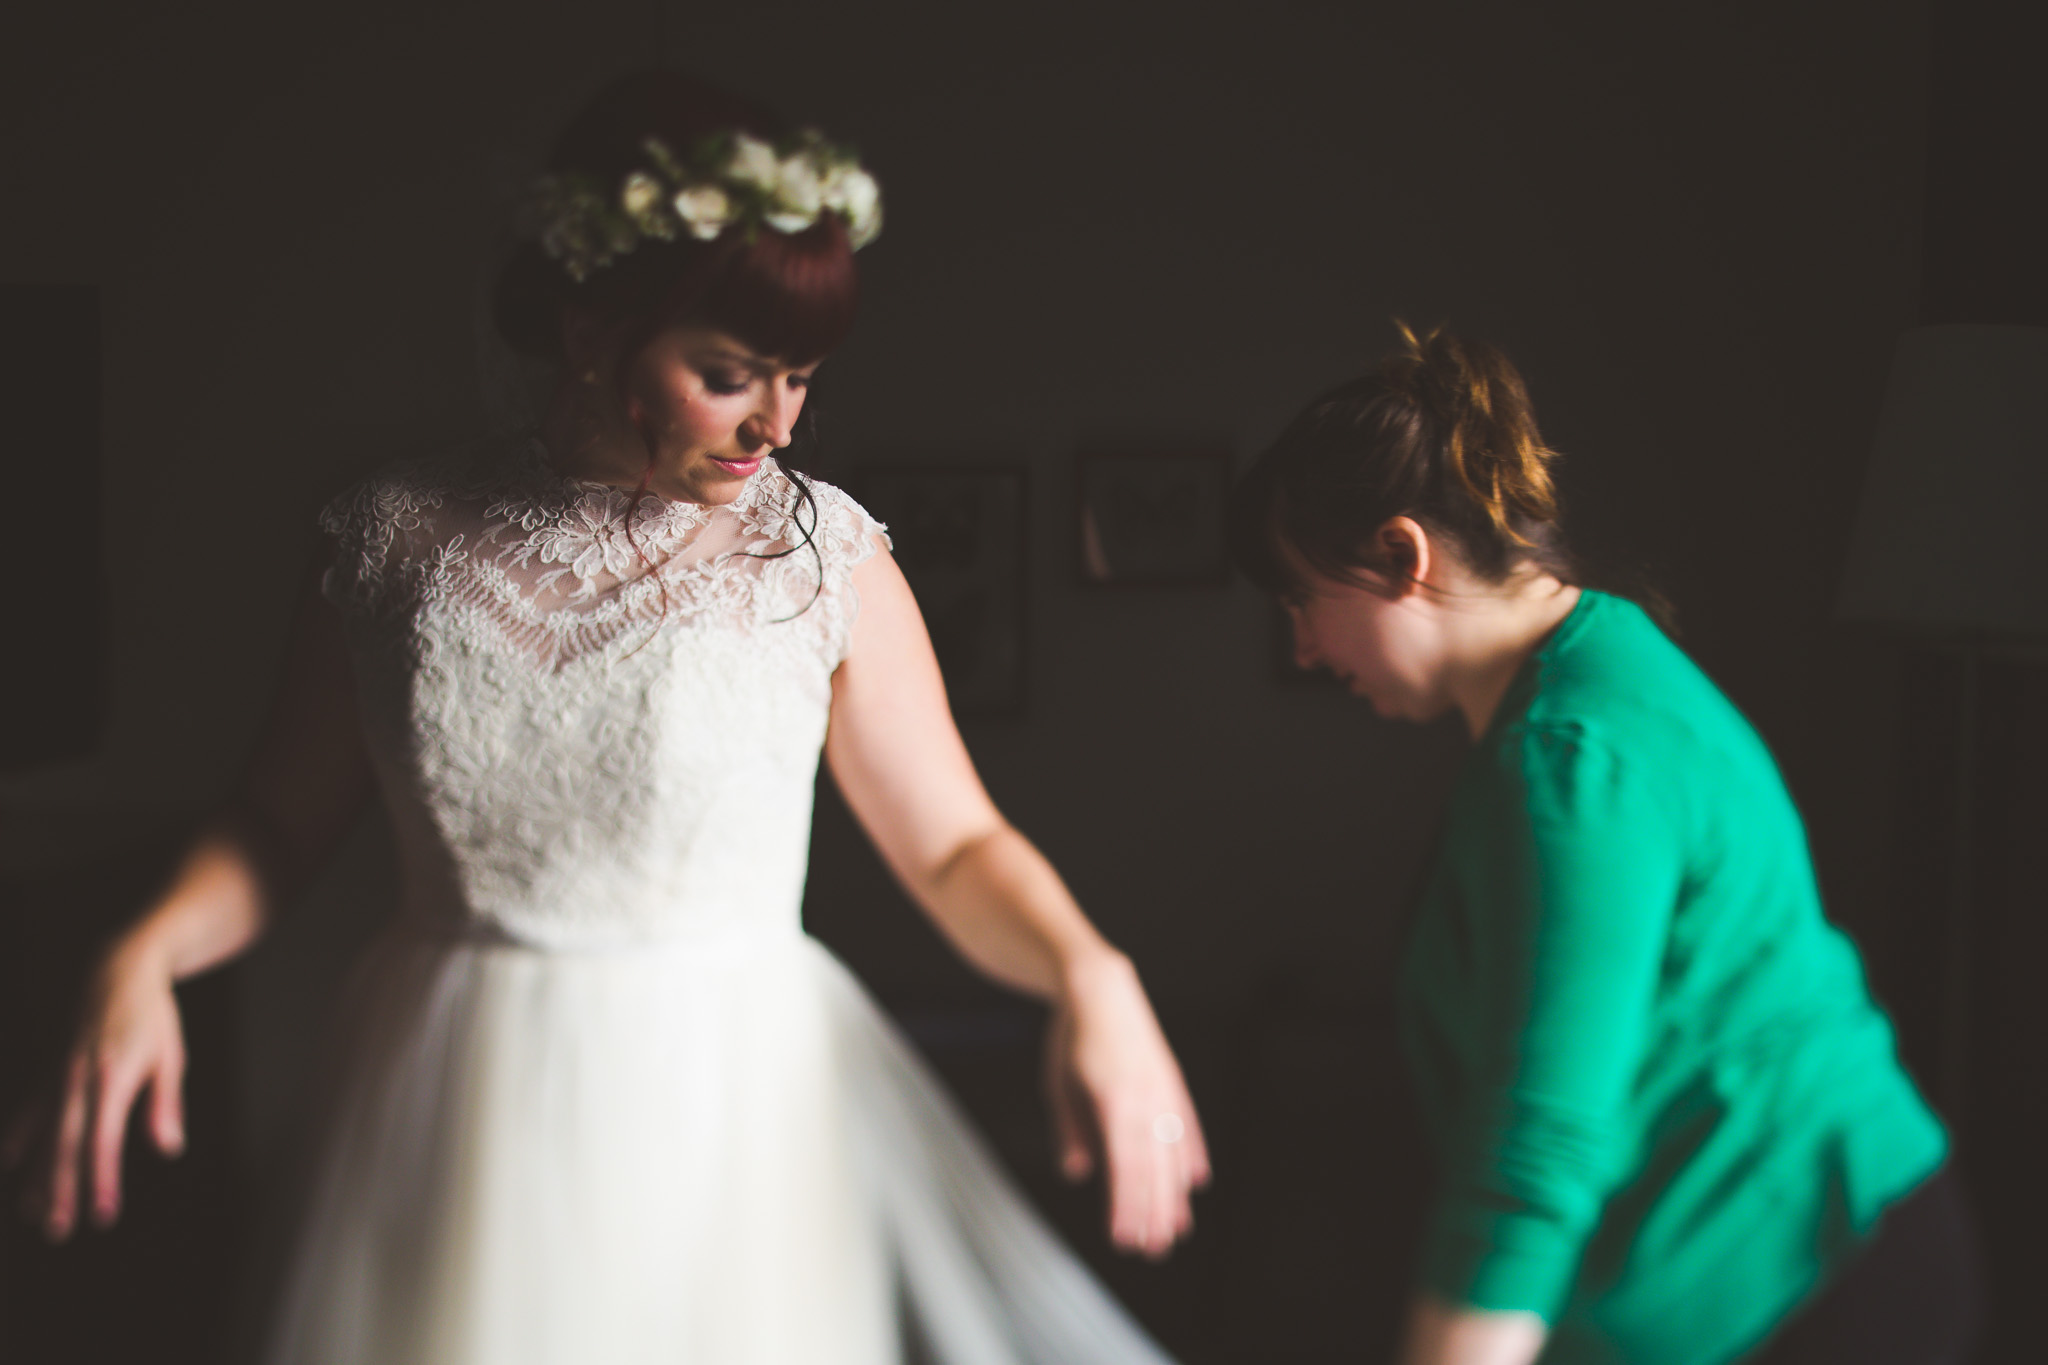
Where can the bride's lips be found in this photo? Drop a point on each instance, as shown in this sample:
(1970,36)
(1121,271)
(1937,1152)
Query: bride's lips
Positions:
(740,468)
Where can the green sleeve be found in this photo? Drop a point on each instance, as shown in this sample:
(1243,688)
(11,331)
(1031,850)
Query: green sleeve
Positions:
(1569,864)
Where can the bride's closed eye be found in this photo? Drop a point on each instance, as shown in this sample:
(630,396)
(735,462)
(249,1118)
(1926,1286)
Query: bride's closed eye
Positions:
(727,381)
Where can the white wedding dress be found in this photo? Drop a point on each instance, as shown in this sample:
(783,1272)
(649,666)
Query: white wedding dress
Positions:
(604,1100)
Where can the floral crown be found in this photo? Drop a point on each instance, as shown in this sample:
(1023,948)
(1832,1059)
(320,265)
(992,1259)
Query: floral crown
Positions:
(727,178)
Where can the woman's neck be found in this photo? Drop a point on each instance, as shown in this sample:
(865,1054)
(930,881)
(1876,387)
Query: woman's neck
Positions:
(1493,643)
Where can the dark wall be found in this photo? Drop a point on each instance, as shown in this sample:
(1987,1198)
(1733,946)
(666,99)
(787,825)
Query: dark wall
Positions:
(1969,784)
(1698,230)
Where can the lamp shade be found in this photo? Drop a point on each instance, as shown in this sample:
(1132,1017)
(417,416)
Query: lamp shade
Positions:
(1951,536)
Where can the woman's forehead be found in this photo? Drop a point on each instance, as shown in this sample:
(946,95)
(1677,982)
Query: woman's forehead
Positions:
(703,340)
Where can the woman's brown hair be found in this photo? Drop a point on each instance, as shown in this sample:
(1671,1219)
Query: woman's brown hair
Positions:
(1443,432)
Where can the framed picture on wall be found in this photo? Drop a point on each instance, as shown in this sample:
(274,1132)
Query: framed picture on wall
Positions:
(960,535)
(1153,518)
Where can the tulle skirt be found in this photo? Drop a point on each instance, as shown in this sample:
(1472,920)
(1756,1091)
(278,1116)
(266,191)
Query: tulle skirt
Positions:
(679,1153)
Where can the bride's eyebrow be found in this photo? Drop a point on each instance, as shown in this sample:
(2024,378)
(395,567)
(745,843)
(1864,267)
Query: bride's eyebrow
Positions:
(737,353)
(744,359)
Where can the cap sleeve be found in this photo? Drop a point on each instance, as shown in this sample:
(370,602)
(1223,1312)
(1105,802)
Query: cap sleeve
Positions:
(366,526)
(847,536)
(821,536)
(849,529)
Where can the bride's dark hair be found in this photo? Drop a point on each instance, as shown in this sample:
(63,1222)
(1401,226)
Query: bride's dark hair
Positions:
(787,295)
(791,296)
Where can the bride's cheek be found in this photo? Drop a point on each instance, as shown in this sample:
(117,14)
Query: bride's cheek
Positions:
(708,423)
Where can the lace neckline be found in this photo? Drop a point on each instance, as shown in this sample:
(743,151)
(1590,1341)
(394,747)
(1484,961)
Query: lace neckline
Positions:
(601,538)
(567,567)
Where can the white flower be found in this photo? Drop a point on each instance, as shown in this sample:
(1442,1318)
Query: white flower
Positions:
(592,541)
(705,210)
(798,194)
(800,185)
(853,194)
(640,194)
(753,162)
(835,190)
(586,227)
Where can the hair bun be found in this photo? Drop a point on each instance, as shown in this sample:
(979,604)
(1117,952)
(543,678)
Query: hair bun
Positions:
(1490,441)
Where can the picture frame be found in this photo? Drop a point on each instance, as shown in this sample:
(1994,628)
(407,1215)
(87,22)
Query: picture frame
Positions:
(960,533)
(1152,518)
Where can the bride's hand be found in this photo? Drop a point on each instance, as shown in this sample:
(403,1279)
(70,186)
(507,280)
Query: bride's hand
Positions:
(128,1039)
(1115,1087)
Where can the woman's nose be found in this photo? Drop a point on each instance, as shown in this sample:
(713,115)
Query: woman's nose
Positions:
(773,422)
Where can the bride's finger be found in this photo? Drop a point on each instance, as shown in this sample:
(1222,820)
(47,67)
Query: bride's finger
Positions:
(1167,1212)
(1072,1143)
(60,1203)
(1194,1145)
(1183,1188)
(117,1091)
(167,1105)
(1130,1175)
(1184,1184)
(1169,1195)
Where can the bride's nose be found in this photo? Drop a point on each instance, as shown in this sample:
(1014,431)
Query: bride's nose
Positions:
(772,422)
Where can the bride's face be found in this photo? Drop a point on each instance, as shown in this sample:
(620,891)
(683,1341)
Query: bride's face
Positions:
(712,409)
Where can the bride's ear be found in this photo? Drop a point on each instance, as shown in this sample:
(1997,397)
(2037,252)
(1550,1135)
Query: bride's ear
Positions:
(1405,548)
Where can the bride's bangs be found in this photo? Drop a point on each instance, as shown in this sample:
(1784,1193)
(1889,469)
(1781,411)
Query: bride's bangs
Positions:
(788,296)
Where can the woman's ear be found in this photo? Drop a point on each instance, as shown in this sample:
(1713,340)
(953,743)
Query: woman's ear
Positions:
(1404,547)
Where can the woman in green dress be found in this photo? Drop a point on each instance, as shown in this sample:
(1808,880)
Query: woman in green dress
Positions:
(1669,1123)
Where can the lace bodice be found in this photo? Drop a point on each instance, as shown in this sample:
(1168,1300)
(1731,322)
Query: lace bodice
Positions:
(595,722)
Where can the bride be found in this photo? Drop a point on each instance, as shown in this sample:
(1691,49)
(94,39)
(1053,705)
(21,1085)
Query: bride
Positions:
(602,1098)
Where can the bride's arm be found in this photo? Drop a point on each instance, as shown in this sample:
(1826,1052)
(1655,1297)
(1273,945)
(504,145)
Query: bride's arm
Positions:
(304,784)
(899,761)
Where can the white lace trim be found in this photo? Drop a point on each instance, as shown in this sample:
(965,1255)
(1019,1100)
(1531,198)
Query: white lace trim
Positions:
(566,568)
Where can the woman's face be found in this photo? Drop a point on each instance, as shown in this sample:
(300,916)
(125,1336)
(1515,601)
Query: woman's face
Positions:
(1383,643)
(711,409)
